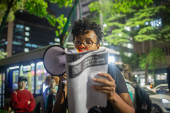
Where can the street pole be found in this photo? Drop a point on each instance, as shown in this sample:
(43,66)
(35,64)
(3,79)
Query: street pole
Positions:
(101,21)
(63,41)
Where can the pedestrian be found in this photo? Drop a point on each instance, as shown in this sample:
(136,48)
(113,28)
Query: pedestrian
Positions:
(48,96)
(22,101)
(86,36)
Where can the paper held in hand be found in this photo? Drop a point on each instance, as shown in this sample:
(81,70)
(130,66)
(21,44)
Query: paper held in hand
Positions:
(81,68)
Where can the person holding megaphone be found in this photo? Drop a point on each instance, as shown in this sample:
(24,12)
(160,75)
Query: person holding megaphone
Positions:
(86,36)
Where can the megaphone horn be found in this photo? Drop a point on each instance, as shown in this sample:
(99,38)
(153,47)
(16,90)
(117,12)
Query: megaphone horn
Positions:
(54,60)
(61,59)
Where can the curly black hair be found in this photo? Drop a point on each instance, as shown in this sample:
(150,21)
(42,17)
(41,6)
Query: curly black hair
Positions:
(81,25)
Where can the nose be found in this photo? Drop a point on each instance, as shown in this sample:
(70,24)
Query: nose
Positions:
(82,46)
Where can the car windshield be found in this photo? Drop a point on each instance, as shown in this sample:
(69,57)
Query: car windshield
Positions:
(148,91)
(162,90)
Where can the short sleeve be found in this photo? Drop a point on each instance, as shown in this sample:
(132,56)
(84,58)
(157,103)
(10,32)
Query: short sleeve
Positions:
(119,79)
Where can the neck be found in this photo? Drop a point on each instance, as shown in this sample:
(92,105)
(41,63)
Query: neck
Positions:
(21,88)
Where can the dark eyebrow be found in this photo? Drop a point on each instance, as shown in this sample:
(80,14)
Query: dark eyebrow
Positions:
(89,38)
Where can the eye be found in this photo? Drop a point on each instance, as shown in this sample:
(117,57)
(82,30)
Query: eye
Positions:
(78,42)
(88,42)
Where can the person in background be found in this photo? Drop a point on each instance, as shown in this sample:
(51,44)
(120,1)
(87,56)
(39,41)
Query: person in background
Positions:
(48,97)
(15,86)
(22,101)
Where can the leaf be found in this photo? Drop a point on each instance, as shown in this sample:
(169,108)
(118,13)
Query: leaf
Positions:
(57,34)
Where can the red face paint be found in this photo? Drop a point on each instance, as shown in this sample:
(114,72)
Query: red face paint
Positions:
(80,50)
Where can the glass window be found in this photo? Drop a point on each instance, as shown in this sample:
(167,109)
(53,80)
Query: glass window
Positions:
(1,74)
(28,71)
(15,79)
(27,34)
(27,28)
(26,39)
(51,43)
(28,44)
(34,45)
(26,50)
(3,82)
(57,40)
(41,73)
(19,26)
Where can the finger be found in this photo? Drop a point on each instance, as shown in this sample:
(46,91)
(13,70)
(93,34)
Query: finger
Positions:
(64,77)
(103,91)
(103,81)
(107,76)
(101,87)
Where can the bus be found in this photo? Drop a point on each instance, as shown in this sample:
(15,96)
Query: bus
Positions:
(31,66)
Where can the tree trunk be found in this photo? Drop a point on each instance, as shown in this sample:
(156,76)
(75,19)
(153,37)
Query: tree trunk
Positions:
(3,22)
(146,74)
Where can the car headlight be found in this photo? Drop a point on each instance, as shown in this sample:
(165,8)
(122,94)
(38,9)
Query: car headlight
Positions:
(166,104)
(165,101)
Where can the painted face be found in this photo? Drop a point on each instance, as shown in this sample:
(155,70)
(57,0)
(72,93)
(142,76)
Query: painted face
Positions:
(86,42)
(53,83)
(21,85)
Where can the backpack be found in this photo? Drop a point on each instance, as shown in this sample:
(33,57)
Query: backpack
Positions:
(143,102)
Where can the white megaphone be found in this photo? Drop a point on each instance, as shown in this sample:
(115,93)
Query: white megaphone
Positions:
(54,60)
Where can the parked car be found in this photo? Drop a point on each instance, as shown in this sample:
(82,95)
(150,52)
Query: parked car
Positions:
(162,88)
(146,86)
(160,102)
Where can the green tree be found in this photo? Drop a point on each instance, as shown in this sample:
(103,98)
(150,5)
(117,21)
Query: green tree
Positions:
(151,61)
(137,18)
(2,54)
(35,7)
(132,61)
(133,23)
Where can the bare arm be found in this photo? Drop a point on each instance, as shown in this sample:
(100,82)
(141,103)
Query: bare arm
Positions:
(59,102)
(122,103)
(58,106)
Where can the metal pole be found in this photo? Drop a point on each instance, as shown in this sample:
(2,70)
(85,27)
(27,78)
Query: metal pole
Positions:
(67,23)
(101,22)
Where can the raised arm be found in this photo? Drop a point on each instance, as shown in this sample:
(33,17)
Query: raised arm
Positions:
(59,102)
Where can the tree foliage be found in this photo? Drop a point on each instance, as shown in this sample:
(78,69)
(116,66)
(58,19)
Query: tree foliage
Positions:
(35,7)
(132,61)
(139,20)
(153,59)
(133,21)
(2,54)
